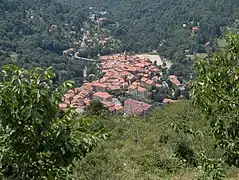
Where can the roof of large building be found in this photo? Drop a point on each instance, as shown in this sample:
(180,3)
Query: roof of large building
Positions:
(137,107)
(174,80)
(102,95)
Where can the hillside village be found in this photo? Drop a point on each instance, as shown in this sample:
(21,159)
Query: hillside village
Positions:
(128,84)
(122,73)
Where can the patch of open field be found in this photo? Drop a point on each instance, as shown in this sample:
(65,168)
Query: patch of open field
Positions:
(156,58)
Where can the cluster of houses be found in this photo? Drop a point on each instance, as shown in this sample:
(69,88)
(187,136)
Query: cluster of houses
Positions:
(121,73)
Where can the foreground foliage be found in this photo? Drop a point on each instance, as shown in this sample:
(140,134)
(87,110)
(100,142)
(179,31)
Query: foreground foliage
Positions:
(215,92)
(149,148)
(167,144)
(37,140)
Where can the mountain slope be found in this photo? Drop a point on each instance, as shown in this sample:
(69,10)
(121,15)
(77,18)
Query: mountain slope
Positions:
(166,25)
(34,34)
(147,23)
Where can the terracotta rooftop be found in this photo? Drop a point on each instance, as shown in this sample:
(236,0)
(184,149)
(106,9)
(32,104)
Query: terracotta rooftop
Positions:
(141,89)
(174,80)
(158,85)
(125,73)
(100,85)
(144,79)
(107,103)
(118,107)
(102,94)
(63,106)
(155,78)
(132,87)
(136,107)
(150,82)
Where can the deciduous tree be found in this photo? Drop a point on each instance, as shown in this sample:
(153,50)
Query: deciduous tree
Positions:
(37,140)
(215,91)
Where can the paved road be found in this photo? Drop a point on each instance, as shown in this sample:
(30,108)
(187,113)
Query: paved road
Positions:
(82,58)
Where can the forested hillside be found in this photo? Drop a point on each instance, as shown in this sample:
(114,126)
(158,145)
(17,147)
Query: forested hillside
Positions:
(146,24)
(34,34)
(142,26)
(166,26)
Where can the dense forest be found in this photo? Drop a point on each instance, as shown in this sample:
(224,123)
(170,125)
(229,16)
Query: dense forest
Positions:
(34,34)
(166,26)
(147,24)
(142,26)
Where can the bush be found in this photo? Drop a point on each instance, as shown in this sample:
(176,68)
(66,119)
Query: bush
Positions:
(185,152)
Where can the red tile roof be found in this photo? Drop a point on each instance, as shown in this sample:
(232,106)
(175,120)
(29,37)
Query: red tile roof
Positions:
(144,79)
(132,87)
(118,107)
(174,80)
(140,65)
(158,85)
(104,95)
(63,106)
(155,78)
(107,104)
(141,89)
(125,73)
(136,107)
(102,85)
(136,83)
(150,82)
(87,102)
(114,88)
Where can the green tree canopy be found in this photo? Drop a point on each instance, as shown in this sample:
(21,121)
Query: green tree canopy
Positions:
(215,91)
(37,140)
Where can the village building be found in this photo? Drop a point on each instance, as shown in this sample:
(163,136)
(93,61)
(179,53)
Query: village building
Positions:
(118,108)
(52,27)
(158,85)
(195,29)
(133,107)
(114,88)
(68,52)
(63,106)
(112,107)
(102,96)
(97,87)
(174,80)
(148,83)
